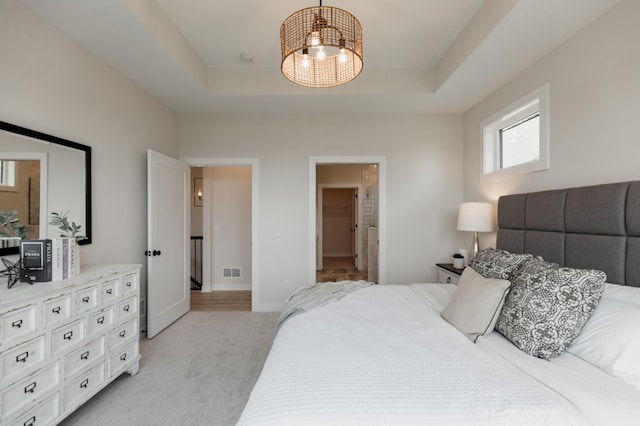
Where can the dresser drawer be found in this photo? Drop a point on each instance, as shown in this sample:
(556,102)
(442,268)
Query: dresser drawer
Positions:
(84,357)
(81,388)
(129,284)
(122,358)
(100,321)
(123,334)
(67,336)
(22,358)
(19,396)
(126,309)
(41,415)
(57,309)
(86,299)
(109,291)
(18,322)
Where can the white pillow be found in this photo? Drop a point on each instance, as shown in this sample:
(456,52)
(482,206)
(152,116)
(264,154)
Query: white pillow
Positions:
(624,293)
(610,340)
(476,304)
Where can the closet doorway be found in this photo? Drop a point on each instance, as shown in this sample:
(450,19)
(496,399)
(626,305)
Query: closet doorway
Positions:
(224,233)
(347,218)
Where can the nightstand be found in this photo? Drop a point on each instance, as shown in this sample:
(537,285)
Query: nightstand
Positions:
(447,274)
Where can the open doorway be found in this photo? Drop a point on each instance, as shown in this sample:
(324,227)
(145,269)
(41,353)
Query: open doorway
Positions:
(224,231)
(340,238)
(347,218)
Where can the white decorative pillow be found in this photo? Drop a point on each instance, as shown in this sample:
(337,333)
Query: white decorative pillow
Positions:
(610,340)
(547,307)
(476,304)
(496,263)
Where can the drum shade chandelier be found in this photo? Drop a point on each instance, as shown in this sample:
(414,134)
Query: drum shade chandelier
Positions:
(321,46)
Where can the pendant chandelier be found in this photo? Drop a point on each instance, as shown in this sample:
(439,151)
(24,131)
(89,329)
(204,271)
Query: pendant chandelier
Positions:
(321,46)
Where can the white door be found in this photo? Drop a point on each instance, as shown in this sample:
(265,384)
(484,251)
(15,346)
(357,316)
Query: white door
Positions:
(168,199)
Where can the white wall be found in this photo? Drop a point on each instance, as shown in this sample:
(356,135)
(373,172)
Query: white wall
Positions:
(231,224)
(595,100)
(424,184)
(53,85)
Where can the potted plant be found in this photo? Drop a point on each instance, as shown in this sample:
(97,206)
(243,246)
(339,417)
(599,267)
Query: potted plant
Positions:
(66,229)
(458,260)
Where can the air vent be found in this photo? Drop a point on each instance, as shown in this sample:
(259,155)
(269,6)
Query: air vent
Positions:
(231,272)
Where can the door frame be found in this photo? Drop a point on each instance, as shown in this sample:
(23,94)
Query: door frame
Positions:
(382,208)
(253,163)
(320,222)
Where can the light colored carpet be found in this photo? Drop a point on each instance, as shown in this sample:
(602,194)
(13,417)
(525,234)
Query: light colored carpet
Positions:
(199,371)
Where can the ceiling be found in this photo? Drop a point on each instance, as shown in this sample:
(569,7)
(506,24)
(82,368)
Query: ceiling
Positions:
(420,56)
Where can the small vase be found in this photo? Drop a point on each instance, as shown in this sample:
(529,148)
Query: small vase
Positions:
(458,262)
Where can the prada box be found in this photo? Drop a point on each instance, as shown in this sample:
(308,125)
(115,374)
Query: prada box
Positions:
(36,258)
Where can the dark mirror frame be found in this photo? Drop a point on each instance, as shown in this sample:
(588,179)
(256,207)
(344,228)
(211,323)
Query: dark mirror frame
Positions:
(87,171)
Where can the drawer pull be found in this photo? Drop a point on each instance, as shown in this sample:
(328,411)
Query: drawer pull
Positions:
(22,357)
(30,422)
(109,291)
(17,324)
(84,383)
(85,299)
(128,283)
(56,310)
(67,335)
(30,388)
(85,355)
(448,280)
(126,308)
(123,357)
(122,333)
(101,320)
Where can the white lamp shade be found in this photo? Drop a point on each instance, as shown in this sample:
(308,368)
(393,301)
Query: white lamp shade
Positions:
(476,217)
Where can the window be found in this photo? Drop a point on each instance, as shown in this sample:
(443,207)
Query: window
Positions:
(516,137)
(7,173)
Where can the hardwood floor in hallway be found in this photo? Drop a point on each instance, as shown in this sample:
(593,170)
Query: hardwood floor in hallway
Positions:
(221,300)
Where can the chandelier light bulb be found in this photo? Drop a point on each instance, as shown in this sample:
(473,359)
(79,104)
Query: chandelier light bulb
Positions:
(305,61)
(321,53)
(315,38)
(343,56)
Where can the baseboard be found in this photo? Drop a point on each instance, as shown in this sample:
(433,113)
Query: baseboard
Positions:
(230,287)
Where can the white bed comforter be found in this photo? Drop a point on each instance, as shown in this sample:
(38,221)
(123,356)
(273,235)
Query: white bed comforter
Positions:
(384,356)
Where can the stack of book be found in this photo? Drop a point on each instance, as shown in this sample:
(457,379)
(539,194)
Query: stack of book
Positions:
(50,259)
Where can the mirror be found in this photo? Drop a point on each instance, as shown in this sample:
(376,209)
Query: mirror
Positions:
(43,174)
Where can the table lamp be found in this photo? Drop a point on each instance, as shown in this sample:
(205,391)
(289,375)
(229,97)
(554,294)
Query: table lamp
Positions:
(476,217)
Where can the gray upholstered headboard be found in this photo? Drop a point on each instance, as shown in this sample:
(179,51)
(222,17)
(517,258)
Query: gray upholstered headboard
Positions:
(595,227)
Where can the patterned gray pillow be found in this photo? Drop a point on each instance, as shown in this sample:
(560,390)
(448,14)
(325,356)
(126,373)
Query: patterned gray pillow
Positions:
(495,263)
(548,305)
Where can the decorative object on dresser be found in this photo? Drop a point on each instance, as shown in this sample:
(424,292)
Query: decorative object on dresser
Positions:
(447,274)
(476,217)
(458,261)
(63,341)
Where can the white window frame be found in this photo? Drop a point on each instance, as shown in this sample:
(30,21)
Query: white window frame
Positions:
(8,178)
(536,101)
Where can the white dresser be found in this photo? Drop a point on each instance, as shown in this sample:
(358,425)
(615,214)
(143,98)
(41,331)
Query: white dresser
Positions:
(63,341)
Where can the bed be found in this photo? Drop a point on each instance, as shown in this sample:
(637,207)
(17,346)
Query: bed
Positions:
(392,354)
